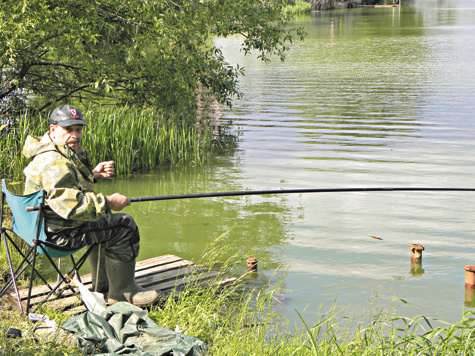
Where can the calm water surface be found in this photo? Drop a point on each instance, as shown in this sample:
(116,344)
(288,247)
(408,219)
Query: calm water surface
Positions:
(374,97)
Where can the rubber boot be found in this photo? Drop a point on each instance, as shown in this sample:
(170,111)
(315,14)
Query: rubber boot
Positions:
(99,278)
(123,287)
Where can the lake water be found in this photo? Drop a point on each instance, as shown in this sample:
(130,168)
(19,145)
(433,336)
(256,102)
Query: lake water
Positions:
(374,97)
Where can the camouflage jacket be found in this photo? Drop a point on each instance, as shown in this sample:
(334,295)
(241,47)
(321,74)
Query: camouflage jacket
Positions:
(67,180)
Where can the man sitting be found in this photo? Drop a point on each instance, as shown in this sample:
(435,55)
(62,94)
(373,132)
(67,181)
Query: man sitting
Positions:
(78,216)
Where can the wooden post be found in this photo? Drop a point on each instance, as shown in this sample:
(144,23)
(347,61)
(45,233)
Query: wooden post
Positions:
(252,264)
(470,276)
(416,252)
(469,286)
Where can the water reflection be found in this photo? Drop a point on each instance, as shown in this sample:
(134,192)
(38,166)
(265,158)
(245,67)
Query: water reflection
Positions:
(416,268)
(469,301)
(185,227)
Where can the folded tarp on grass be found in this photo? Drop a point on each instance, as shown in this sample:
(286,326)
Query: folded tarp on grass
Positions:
(124,329)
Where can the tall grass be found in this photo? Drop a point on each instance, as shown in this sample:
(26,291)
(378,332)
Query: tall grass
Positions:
(297,7)
(241,320)
(136,139)
(383,334)
(12,138)
(141,140)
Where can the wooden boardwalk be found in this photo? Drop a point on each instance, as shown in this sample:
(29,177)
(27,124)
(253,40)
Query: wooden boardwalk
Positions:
(162,273)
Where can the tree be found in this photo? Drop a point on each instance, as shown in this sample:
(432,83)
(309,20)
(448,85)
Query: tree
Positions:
(146,52)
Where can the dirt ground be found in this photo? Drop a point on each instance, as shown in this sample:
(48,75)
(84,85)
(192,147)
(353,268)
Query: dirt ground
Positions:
(9,309)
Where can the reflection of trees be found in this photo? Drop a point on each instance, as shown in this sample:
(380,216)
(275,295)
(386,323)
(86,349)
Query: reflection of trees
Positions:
(366,77)
(185,227)
(357,80)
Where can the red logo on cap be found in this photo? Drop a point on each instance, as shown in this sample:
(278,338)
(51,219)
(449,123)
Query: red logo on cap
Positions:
(73,114)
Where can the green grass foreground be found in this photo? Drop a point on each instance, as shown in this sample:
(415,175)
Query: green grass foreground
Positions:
(136,139)
(241,320)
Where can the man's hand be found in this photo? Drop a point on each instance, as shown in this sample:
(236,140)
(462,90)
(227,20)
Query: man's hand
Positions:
(104,170)
(117,201)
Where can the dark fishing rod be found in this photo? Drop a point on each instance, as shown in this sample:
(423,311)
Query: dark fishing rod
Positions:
(297,191)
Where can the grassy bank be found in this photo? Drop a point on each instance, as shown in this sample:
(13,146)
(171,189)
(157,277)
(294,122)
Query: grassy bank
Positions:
(241,320)
(238,321)
(135,139)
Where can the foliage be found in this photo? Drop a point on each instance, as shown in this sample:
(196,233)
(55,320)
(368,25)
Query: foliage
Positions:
(12,138)
(298,7)
(136,139)
(154,52)
(382,334)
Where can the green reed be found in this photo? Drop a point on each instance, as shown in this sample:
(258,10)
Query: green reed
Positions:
(297,7)
(12,138)
(383,334)
(139,139)
(136,139)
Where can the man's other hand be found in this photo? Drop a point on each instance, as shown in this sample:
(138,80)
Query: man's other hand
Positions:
(117,201)
(104,170)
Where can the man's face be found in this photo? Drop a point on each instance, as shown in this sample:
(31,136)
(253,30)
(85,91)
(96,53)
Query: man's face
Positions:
(70,135)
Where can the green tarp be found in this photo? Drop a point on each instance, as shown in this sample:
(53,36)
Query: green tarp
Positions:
(123,329)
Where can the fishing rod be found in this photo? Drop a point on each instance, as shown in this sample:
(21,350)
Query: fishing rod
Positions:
(294,191)
(287,191)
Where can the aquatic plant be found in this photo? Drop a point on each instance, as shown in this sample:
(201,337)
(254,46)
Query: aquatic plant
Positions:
(12,138)
(140,139)
(136,139)
(297,7)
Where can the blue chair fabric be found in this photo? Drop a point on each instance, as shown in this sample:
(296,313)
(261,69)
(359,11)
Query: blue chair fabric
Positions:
(30,227)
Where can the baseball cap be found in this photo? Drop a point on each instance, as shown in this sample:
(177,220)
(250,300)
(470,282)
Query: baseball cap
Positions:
(66,115)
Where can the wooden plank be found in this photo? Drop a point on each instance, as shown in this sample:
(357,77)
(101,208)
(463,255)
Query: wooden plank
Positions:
(183,282)
(167,272)
(141,268)
(153,280)
(161,269)
(157,260)
(161,273)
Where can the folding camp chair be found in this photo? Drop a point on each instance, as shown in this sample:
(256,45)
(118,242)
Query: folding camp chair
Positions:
(29,224)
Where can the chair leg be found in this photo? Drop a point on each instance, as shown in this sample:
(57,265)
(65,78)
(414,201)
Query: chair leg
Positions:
(20,269)
(31,279)
(59,266)
(76,266)
(12,274)
(26,262)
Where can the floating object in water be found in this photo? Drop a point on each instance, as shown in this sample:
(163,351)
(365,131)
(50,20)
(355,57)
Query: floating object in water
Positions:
(281,298)
(377,238)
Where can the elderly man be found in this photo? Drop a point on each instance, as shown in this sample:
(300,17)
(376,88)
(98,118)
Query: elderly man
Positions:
(79,216)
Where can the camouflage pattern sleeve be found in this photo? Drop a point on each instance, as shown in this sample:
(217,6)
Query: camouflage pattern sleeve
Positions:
(67,197)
